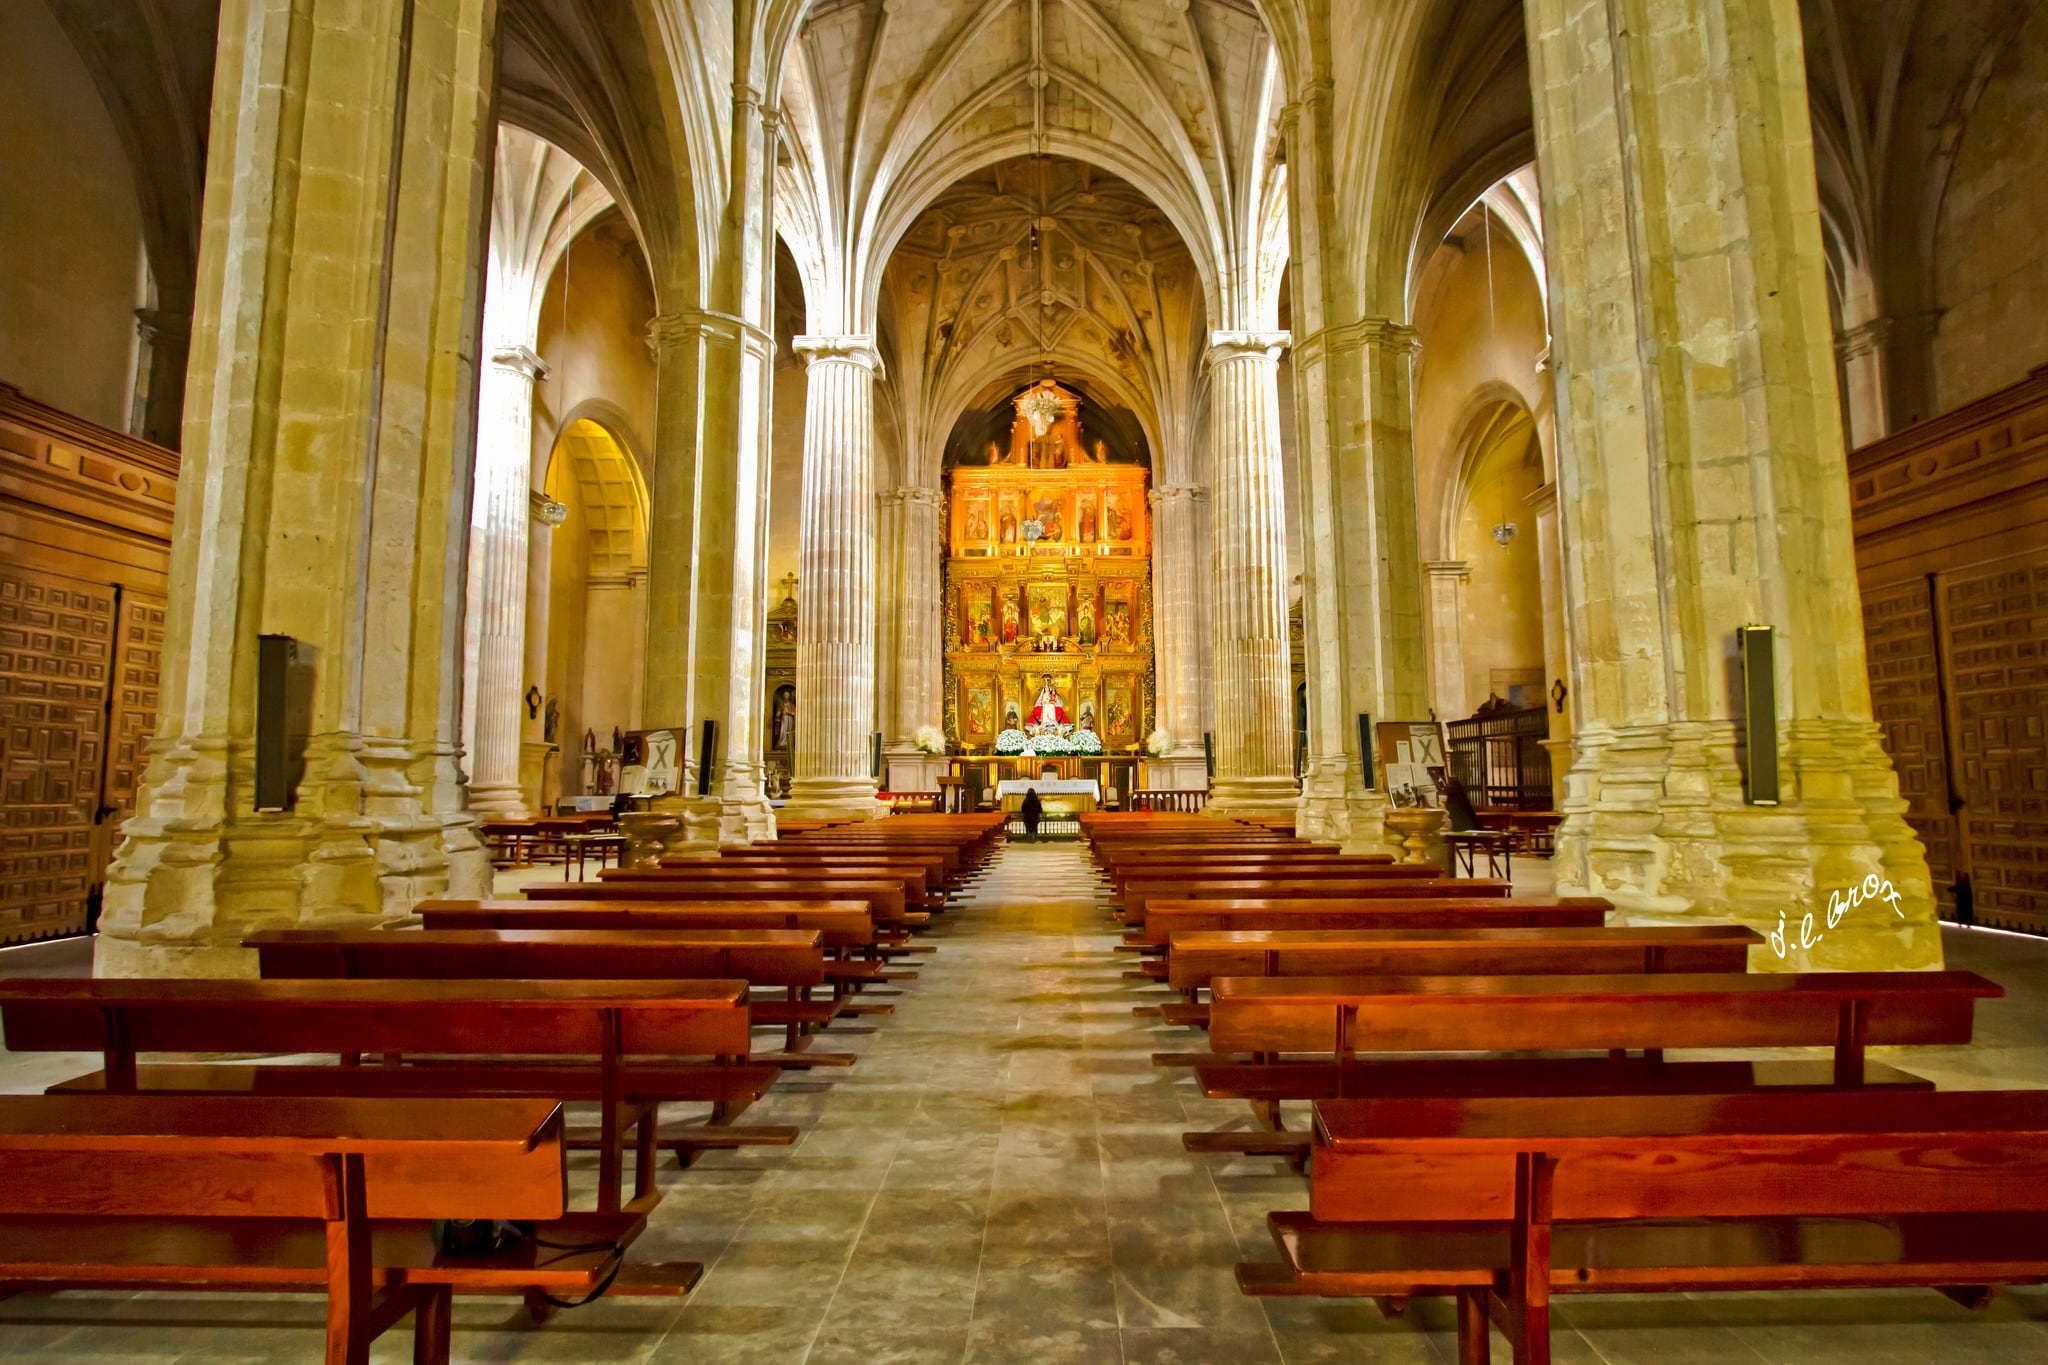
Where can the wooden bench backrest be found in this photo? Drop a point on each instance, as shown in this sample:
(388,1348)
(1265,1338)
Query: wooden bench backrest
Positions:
(186,1157)
(769,957)
(1685,1156)
(474,1018)
(1141,901)
(908,882)
(843,923)
(1591,1013)
(1165,922)
(1194,960)
(883,902)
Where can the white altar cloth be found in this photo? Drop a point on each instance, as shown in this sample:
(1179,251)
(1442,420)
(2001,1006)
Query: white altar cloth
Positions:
(1010,792)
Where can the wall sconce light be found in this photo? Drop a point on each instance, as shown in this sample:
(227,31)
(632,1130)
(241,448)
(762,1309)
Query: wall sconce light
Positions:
(1558,692)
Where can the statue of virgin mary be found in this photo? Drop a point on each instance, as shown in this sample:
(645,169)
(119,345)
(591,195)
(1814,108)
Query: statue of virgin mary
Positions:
(1048,709)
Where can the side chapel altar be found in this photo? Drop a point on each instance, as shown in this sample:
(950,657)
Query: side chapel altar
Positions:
(1048,592)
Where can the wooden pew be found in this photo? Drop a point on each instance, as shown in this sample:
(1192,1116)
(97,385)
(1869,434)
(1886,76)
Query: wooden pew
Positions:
(280,1195)
(1196,959)
(789,960)
(1353,1027)
(621,1044)
(1394,905)
(847,929)
(740,874)
(883,901)
(1348,867)
(1507,1201)
(1140,892)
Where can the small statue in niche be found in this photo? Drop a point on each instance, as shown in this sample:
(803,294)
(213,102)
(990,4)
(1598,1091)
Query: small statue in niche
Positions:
(1101,452)
(1008,526)
(551,720)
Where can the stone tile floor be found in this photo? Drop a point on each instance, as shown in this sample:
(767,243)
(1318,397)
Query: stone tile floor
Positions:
(1001,1179)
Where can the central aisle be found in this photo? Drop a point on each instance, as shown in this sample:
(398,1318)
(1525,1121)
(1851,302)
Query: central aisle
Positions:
(1000,1178)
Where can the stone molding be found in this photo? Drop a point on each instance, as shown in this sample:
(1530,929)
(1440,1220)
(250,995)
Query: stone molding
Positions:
(1168,493)
(521,360)
(909,494)
(1866,339)
(687,326)
(856,348)
(1448,568)
(1228,346)
(1381,333)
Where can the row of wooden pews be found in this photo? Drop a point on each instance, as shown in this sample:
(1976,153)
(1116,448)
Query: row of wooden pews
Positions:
(423,1074)
(1447,1044)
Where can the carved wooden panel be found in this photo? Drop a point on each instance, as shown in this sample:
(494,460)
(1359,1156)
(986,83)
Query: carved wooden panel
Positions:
(138,665)
(1996,626)
(56,648)
(1898,628)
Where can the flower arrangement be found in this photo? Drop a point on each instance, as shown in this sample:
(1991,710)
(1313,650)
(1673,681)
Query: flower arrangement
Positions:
(1087,742)
(1160,744)
(929,739)
(1010,742)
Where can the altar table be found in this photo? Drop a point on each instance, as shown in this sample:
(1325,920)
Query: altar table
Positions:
(1064,794)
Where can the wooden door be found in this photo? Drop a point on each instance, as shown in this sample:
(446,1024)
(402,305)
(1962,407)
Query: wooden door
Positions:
(1994,640)
(1905,691)
(56,654)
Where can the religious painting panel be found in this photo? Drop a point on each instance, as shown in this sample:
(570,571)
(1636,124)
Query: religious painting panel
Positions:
(978,615)
(1086,715)
(1049,507)
(1047,603)
(974,523)
(1007,520)
(1013,704)
(1011,623)
(1119,609)
(1120,711)
(1085,614)
(1088,526)
(980,711)
(1117,518)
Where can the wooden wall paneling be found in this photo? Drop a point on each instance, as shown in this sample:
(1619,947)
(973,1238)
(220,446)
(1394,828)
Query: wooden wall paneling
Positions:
(1905,690)
(1995,636)
(56,656)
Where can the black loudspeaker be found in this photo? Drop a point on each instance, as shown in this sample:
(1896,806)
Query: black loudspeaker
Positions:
(875,755)
(1365,751)
(284,717)
(706,753)
(1760,713)
(1209,753)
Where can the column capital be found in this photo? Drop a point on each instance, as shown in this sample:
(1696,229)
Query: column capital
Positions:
(690,326)
(1383,334)
(157,324)
(520,360)
(1542,499)
(856,348)
(1179,492)
(1458,569)
(545,509)
(1225,346)
(1868,338)
(915,493)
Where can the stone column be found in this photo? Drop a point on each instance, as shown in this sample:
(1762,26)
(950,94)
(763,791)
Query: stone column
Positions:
(1254,705)
(1557,647)
(1180,642)
(501,511)
(1362,572)
(1866,414)
(1703,485)
(326,452)
(915,652)
(1447,579)
(835,651)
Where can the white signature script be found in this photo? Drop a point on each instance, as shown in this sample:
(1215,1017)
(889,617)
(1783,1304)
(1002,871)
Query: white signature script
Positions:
(1840,903)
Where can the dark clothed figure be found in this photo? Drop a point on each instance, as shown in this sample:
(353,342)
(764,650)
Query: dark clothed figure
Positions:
(1032,809)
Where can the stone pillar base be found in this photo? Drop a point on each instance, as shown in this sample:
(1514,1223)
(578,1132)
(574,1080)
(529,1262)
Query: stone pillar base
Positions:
(911,771)
(825,799)
(1356,821)
(1262,796)
(498,803)
(1177,773)
(1655,821)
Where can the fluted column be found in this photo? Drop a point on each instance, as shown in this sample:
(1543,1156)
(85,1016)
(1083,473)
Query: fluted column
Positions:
(919,659)
(1180,642)
(835,648)
(1447,580)
(1254,769)
(499,517)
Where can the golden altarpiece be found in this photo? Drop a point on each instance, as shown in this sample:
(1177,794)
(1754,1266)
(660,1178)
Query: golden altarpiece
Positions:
(1048,591)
